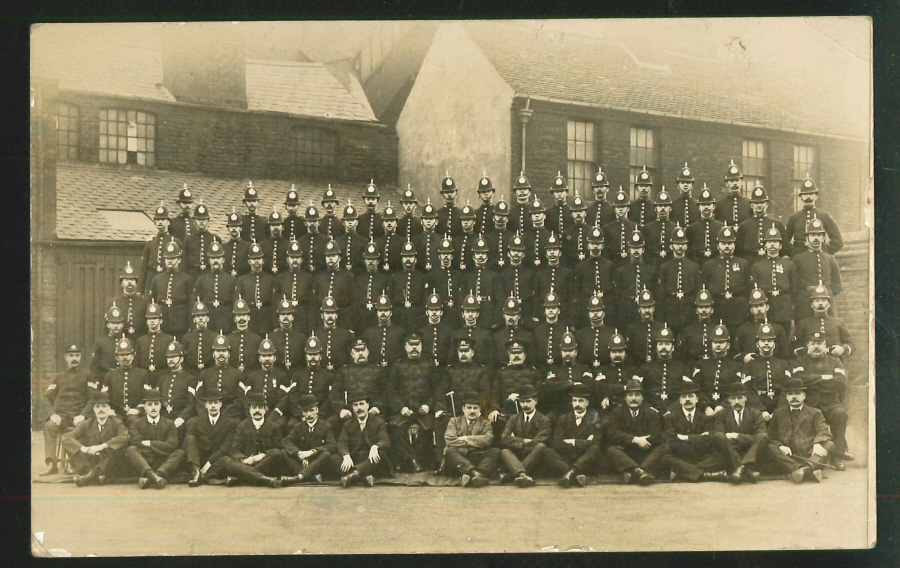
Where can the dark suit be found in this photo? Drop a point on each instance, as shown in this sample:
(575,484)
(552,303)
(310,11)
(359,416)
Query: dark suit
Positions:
(517,456)
(751,435)
(700,453)
(250,441)
(162,455)
(89,433)
(583,456)
(356,443)
(799,430)
(623,427)
(319,439)
(206,442)
(475,452)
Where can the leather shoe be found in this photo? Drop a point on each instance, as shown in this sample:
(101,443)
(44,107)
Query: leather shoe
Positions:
(318,478)
(370,480)
(738,476)
(524,481)
(751,476)
(273,482)
(69,469)
(152,478)
(194,481)
(505,478)
(566,480)
(231,481)
(346,480)
(580,480)
(798,474)
(844,456)
(817,476)
(160,482)
(479,480)
(644,478)
(714,476)
(465,479)
(839,465)
(627,477)
(416,467)
(101,480)
(142,482)
(87,479)
(287,481)
(52,469)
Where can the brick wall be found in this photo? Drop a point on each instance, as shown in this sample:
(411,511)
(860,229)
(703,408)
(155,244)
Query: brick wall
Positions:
(707,147)
(246,145)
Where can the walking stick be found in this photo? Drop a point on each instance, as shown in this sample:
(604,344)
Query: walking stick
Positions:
(812,462)
(452,402)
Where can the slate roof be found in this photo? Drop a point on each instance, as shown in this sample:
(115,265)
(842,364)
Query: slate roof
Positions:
(83,190)
(612,74)
(305,89)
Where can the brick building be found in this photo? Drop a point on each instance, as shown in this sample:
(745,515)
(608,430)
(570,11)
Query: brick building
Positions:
(117,128)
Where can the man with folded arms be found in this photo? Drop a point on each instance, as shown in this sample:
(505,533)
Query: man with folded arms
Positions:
(634,433)
(310,445)
(745,431)
(256,455)
(469,439)
(575,448)
(209,439)
(524,439)
(154,451)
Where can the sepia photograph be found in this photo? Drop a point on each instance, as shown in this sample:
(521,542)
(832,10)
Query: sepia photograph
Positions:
(452,286)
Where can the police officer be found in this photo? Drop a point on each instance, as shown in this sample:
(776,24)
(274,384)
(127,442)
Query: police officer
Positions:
(575,238)
(389,242)
(642,209)
(485,220)
(182,226)
(751,234)
(271,383)
(734,208)
(410,393)
(253,226)
(447,281)
(370,223)
(594,339)
(693,340)
(679,282)
(814,267)
(630,279)
(463,242)
(294,228)
(276,246)
(257,289)
(559,378)
(359,375)
(409,290)
(409,226)
(296,286)
(436,336)
(351,243)
(69,395)
(236,249)
(312,243)
(619,230)
(485,285)
(125,384)
(613,376)
(559,215)
(288,341)
(335,340)
(838,338)
(776,275)
(520,216)
(592,276)
(369,286)
(427,241)
(745,343)
(536,237)
(448,215)
(512,318)
(177,389)
(151,347)
(658,233)
(337,283)
(215,290)
(173,289)
(663,374)
(384,339)
(196,246)
(130,301)
(548,334)
(716,373)
(518,280)
(703,232)
(103,355)
(765,373)
(727,277)
(796,225)
(600,212)
(243,342)
(152,260)
(314,380)
(470,328)
(554,277)
(684,208)
(198,342)
(330,226)
(223,380)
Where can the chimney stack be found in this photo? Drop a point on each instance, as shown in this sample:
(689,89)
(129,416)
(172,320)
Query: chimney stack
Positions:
(204,63)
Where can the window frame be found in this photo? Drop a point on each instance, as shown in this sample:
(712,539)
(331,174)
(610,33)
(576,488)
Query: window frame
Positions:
(71,153)
(751,173)
(144,134)
(811,170)
(311,170)
(581,185)
(652,165)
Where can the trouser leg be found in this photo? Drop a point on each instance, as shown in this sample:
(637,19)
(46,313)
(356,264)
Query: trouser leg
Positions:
(138,462)
(778,461)
(486,461)
(620,460)
(653,462)
(836,418)
(456,462)
(732,450)
(681,467)
(554,462)
(511,461)
(534,458)
(171,464)
(752,453)
(401,445)
(365,467)
(242,471)
(275,463)
(588,460)
(51,438)
(319,464)
(192,453)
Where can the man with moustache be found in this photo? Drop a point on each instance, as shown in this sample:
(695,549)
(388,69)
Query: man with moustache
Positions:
(716,373)
(520,217)
(553,277)
(463,242)
(448,216)
(693,340)
(765,373)
(270,382)
(243,341)
(351,243)
(253,226)
(498,237)
(257,290)
(209,440)
(255,456)
(411,398)
(685,209)
(727,277)
(508,381)
(641,333)
(310,445)
(815,267)
(536,238)
(613,375)
(313,242)
(485,285)
(591,277)
(183,226)
(276,246)
(235,248)
(796,225)
(334,339)
(222,379)
(125,384)
(558,217)
(752,233)
(630,279)
(313,379)
(469,439)
(658,232)
(293,224)
(525,438)
(519,280)
(370,285)
(360,375)
(703,232)
(470,329)
(575,448)
(177,387)
(594,338)
(331,226)
(132,304)
(363,443)
(287,340)
(103,355)
(385,339)
(444,279)
(371,225)
(337,283)
(838,338)
(664,373)
(642,211)
(634,434)
(154,451)
(151,348)
(485,216)
(745,431)
(559,378)
(410,226)
(512,317)
(436,337)
(196,246)
(734,208)
(172,289)
(69,395)
(679,282)
(198,341)
(97,445)
(409,290)
(600,212)
(759,316)
(427,241)
(152,261)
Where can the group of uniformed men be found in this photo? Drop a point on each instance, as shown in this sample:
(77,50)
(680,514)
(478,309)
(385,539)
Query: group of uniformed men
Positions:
(689,338)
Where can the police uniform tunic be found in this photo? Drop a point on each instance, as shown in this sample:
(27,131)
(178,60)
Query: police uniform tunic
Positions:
(296,286)
(662,378)
(777,277)
(703,240)
(685,210)
(733,210)
(504,335)
(510,379)
(237,252)
(484,354)
(615,237)
(227,380)
(335,346)
(833,329)
(352,247)
(338,284)
(253,228)
(520,282)
(369,286)
(150,354)
(216,289)
(366,377)
(658,236)
(290,348)
(178,390)
(426,250)
(371,225)
(408,297)
(312,245)
(462,250)
(559,218)
(126,389)
(593,345)
(520,218)
(183,226)
(198,352)
(409,226)
(317,381)
(814,267)
(640,334)
(385,344)
(294,227)
(331,226)
(498,248)
(449,221)
(152,260)
(796,230)
(728,280)
(642,212)
(436,343)
(488,291)
(679,281)
(766,377)
(746,339)
(600,213)
(103,355)
(535,242)
(484,219)
(244,347)
(133,307)
(196,252)
(693,340)
(275,255)
(258,290)
(713,375)
(274,386)
(750,238)
(172,289)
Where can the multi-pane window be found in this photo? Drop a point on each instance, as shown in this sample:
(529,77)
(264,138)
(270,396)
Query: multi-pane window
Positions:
(754,165)
(316,152)
(581,156)
(127,137)
(804,165)
(643,153)
(67,133)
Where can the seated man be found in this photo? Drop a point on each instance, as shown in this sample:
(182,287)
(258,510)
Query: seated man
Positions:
(744,429)
(97,445)
(363,443)
(524,439)
(411,394)
(310,445)
(209,439)
(69,394)
(824,376)
(634,432)
(575,448)
(799,438)
(256,456)
(468,440)
(690,452)
(154,451)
